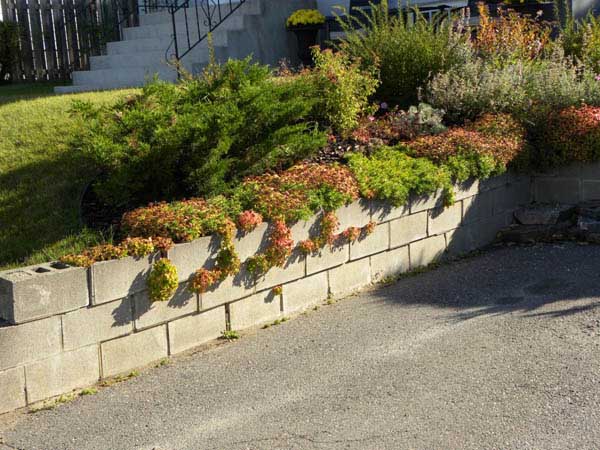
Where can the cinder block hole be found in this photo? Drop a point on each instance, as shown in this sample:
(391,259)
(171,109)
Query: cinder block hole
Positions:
(59,265)
(41,270)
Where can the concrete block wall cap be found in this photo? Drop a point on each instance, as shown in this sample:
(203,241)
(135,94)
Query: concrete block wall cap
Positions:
(355,214)
(119,278)
(249,244)
(42,290)
(466,189)
(147,313)
(420,203)
(382,211)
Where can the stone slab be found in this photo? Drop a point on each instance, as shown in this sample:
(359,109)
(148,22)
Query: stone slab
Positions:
(355,214)
(256,309)
(232,288)
(195,330)
(382,211)
(96,324)
(112,280)
(301,294)
(408,229)
(27,342)
(591,190)
(62,373)
(466,189)
(420,203)
(12,389)
(479,207)
(293,269)
(328,256)
(249,244)
(350,277)
(136,350)
(190,256)
(147,313)
(390,264)
(377,241)
(42,290)
(444,219)
(557,190)
(427,251)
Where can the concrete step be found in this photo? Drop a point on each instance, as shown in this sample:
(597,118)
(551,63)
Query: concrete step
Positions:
(140,59)
(123,77)
(249,7)
(166,30)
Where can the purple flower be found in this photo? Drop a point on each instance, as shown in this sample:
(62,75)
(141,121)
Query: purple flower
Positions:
(598,77)
(371,119)
(383,105)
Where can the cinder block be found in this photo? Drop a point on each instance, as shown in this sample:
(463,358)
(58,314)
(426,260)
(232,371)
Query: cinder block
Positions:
(427,251)
(12,389)
(479,207)
(190,256)
(232,288)
(249,244)
(420,203)
(62,373)
(590,171)
(444,219)
(147,313)
(194,330)
(570,170)
(350,277)
(376,242)
(384,211)
(511,196)
(306,229)
(112,280)
(408,229)
(466,189)
(390,263)
(259,308)
(493,183)
(463,240)
(557,190)
(293,269)
(133,351)
(327,257)
(305,292)
(591,190)
(43,290)
(96,324)
(27,342)
(355,214)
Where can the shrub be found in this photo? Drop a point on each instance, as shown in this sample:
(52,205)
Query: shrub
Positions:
(481,149)
(407,54)
(391,174)
(510,37)
(249,220)
(181,221)
(202,136)
(572,134)
(346,88)
(529,90)
(203,279)
(299,191)
(9,49)
(162,280)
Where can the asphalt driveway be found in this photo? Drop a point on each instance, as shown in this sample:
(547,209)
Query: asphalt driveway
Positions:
(498,351)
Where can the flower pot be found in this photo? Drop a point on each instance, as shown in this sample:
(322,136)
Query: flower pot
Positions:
(307,38)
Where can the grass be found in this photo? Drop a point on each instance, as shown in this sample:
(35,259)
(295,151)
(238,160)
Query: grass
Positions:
(41,176)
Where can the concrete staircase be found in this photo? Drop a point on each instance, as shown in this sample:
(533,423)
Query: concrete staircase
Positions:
(147,48)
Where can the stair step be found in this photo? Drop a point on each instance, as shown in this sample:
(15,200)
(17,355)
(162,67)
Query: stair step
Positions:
(123,77)
(127,60)
(165,31)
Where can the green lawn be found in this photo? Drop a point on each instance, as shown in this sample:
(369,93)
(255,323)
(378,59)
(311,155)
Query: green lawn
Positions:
(41,178)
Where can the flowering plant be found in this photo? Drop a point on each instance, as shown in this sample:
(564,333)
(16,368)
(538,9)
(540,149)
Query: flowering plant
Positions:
(305,17)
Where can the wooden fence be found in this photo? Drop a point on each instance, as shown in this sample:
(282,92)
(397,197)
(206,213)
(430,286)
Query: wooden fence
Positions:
(56,37)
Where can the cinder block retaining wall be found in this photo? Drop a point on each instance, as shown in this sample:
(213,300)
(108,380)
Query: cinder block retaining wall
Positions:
(66,328)
(571,184)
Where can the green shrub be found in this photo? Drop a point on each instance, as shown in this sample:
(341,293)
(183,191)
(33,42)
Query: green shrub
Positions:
(529,90)
(391,174)
(305,17)
(9,49)
(202,136)
(406,54)
(162,281)
(346,88)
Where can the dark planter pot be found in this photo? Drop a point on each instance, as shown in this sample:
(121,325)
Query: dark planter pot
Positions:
(307,38)
(531,9)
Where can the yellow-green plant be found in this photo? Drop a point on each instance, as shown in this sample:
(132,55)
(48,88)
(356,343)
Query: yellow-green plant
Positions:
(305,17)
(162,281)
